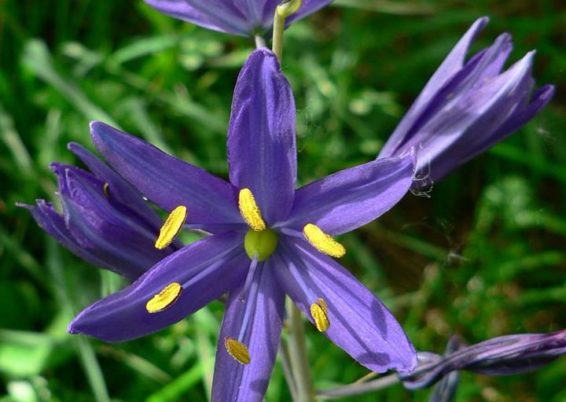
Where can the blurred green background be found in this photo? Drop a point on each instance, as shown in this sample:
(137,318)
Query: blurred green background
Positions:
(483,257)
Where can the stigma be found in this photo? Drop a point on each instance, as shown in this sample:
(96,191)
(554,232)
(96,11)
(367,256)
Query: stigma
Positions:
(260,245)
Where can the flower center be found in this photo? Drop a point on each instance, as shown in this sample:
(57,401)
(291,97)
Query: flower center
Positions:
(260,245)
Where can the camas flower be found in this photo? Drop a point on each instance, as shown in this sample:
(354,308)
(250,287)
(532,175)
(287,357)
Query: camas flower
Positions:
(503,355)
(268,240)
(238,17)
(466,107)
(105,221)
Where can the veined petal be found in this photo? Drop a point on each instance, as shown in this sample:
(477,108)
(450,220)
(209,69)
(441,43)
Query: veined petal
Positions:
(120,192)
(121,240)
(466,108)
(204,270)
(238,17)
(254,318)
(54,224)
(261,137)
(526,111)
(451,79)
(358,322)
(218,15)
(451,65)
(352,197)
(466,126)
(308,7)
(165,180)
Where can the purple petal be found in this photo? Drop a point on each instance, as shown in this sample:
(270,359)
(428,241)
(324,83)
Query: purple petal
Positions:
(54,224)
(450,80)
(254,316)
(524,114)
(218,15)
(466,125)
(359,323)
(165,180)
(261,137)
(205,270)
(352,197)
(92,228)
(238,17)
(119,190)
(308,7)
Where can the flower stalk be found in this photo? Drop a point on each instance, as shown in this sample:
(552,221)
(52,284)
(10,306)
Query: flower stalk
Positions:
(298,357)
(283,10)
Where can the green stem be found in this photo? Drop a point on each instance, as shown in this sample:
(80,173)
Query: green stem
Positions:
(359,389)
(278,27)
(287,369)
(298,358)
(282,11)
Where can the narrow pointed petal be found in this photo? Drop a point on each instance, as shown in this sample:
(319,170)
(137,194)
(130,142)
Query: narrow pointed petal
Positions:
(117,236)
(261,136)
(204,270)
(260,330)
(308,7)
(467,108)
(118,188)
(218,15)
(526,112)
(470,124)
(452,78)
(237,17)
(352,197)
(165,180)
(358,322)
(54,224)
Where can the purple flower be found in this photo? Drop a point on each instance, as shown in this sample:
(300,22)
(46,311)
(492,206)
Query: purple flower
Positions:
(238,17)
(105,221)
(466,107)
(268,240)
(504,355)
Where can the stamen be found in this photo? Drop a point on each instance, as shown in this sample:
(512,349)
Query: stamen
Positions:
(171,227)
(165,298)
(319,312)
(250,210)
(237,350)
(106,190)
(323,242)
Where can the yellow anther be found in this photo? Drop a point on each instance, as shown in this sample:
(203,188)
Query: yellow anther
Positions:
(323,242)
(167,296)
(237,350)
(319,313)
(106,190)
(250,210)
(171,227)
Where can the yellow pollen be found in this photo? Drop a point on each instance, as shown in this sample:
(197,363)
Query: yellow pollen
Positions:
(106,190)
(319,312)
(237,350)
(171,227)
(167,296)
(250,210)
(323,242)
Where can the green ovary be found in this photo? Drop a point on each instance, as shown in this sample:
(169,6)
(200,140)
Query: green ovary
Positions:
(260,245)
